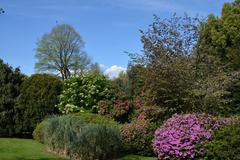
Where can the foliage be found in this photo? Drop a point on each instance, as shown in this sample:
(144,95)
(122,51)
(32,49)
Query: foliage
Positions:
(83,92)
(217,61)
(138,136)
(180,135)
(167,62)
(224,144)
(154,114)
(97,119)
(60,131)
(122,110)
(61,51)
(121,85)
(37,100)
(220,37)
(136,76)
(97,142)
(38,133)
(75,137)
(10,81)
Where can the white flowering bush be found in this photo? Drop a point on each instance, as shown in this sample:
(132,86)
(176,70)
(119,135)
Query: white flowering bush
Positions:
(83,93)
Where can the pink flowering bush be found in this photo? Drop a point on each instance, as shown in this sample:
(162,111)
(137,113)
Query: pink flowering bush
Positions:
(181,135)
(122,110)
(137,137)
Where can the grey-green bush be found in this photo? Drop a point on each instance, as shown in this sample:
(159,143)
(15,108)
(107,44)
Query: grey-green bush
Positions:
(78,138)
(61,131)
(97,141)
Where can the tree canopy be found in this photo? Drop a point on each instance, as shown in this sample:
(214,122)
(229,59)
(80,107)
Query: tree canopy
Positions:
(10,81)
(61,51)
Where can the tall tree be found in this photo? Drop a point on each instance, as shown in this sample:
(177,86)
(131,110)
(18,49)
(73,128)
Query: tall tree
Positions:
(10,81)
(38,97)
(220,37)
(168,58)
(61,51)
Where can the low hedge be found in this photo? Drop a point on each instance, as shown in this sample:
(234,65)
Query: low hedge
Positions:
(81,136)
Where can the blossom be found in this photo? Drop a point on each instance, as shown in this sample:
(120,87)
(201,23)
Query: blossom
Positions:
(180,135)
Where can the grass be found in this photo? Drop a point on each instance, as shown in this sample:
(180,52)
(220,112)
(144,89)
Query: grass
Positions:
(134,157)
(24,149)
(27,149)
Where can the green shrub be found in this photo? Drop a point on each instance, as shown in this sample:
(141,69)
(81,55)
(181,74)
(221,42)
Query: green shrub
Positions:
(97,141)
(86,136)
(83,92)
(38,133)
(138,136)
(97,119)
(10,81)
(61,131)
(225,143)
(37,100)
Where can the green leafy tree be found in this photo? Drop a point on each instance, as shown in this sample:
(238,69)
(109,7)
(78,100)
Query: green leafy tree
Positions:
(217,62)
(61,51)
(83,93)
(10,81)
(37,100)
(121,85)
(169,45)
(220,37)
(136,75)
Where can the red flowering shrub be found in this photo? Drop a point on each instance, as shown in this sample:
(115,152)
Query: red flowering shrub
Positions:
(180,135)
(122,109)
(137,137)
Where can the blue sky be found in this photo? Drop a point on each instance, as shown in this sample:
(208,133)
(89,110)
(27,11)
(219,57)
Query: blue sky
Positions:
(108,27)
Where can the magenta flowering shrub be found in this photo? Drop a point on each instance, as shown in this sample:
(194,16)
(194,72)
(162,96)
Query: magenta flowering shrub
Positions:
(181,135)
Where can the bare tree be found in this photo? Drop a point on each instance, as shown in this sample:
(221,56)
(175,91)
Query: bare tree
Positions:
(61,51)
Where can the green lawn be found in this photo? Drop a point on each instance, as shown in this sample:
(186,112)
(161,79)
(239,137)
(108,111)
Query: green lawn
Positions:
(24,149)
(27,149)
(134,157)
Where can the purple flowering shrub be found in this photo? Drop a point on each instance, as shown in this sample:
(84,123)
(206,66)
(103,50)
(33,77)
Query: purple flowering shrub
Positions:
(181,135)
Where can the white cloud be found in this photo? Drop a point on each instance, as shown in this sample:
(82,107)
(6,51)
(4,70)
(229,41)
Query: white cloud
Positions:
(114,71)
(102,66)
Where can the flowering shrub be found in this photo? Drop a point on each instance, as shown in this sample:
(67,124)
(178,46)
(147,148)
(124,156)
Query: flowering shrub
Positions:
(83,92)
(153,113)
(180,135)
(122,110)
(137,137)
(104,107)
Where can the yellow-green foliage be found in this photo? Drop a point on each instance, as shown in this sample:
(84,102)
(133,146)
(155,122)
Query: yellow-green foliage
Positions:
(38,133)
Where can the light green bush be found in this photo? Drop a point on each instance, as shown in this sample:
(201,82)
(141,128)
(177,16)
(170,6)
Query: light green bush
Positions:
(38,133)
(83,92)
